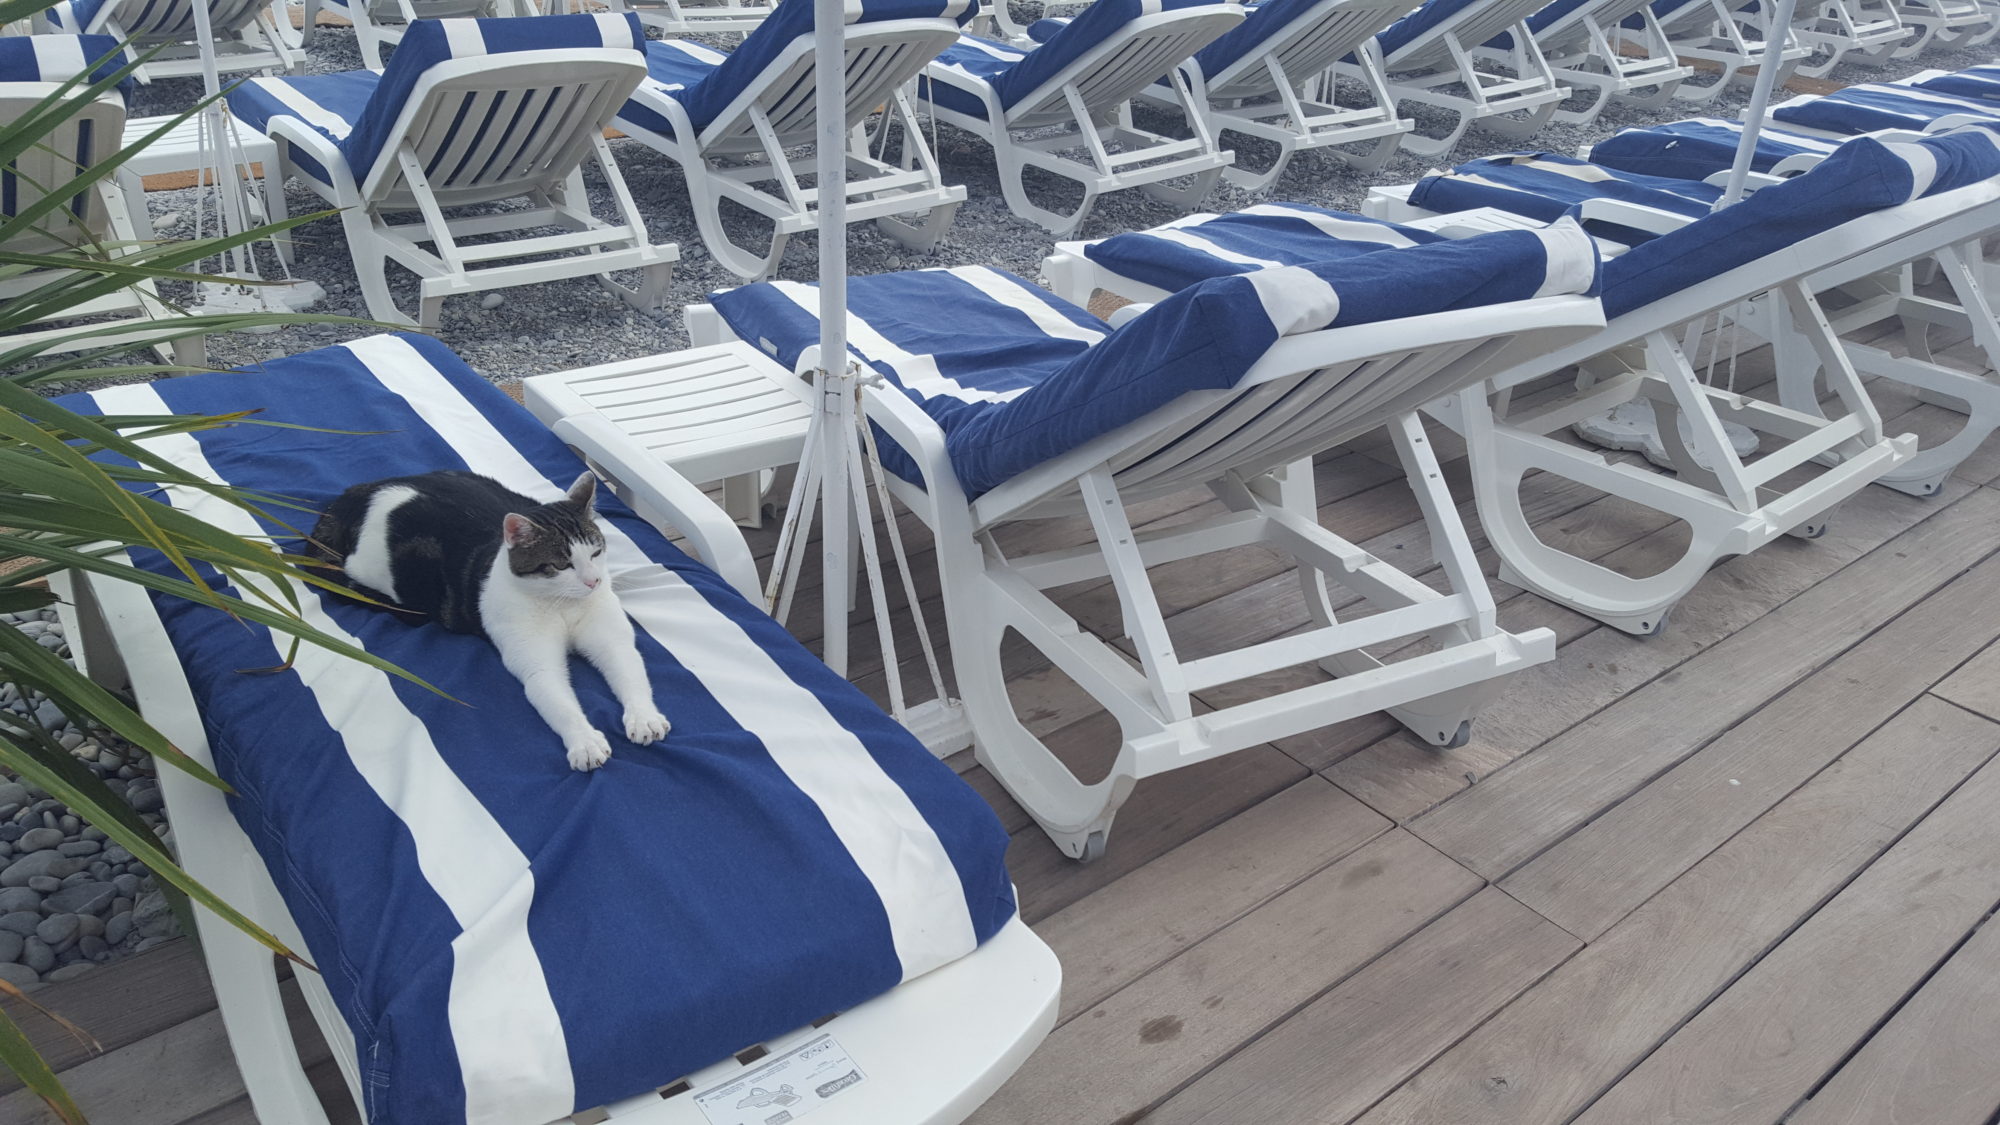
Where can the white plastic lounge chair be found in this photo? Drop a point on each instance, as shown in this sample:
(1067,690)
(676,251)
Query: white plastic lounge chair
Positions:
(1582,39)
(470,113)
(1831,227)
(384,22)
(734,123)
(1232,385)
(1075,92)
(1870,32)
(1727,33)
(676,18)
(248,34)
(1946,23)
(518,941)
(32,67)
(1428,58)
(1260,78)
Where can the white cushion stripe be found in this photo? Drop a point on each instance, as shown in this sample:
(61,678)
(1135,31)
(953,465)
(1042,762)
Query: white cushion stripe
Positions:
(304,108)
(919,373)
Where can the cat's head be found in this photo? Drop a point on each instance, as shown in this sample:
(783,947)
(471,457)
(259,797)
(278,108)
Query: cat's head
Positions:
(556,550)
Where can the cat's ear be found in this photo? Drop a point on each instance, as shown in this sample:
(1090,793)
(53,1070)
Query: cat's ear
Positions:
(517,529)
(584,491)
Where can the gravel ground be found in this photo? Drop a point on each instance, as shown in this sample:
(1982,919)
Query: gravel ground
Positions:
(571,323)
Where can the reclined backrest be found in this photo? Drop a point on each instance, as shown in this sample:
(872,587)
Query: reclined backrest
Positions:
(789,102)
(1416,41)
(533,111)
(1547,186)
(1875,106)
(158,21)
(1699,147)
(1863,176)
(1561,24)
(1106,86)
(29,65)
(1321,33)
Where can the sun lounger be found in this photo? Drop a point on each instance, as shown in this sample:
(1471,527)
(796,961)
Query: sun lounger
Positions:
(1260,80)
(734,121)
(1947,23)
(106,214)
(247,33)
(384,22)
(1870,32)
(1034,106)
(536,92)
(500,938)
(1587,49)
(1729,34)
(1428,58)
(1020,406)
(678,18)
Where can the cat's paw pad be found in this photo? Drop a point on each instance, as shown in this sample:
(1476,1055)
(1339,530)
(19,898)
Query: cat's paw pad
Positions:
(646,727)
(588,750)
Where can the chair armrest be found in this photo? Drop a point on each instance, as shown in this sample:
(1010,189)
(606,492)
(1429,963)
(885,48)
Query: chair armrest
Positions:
(290,130)
(1632,215)
(664,498)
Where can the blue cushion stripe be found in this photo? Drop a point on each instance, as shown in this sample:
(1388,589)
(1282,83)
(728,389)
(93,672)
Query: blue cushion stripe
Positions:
(1865,109)
(1546,186)
(59,58)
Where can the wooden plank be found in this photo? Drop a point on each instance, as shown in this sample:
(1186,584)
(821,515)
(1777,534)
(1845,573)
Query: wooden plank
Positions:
(1540,797)
(117,1005)
(1976,687)
(165,1077)
(1545,1056)
(1346,1049)
(1139,1045)
(1608,667)
(1596,876)
(1116,935)
(1933,1063)
(1764,1043)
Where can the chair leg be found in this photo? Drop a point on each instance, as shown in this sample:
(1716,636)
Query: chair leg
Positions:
(253,1014)
(371,268)
(923,239)
(1014,189)
(751,265)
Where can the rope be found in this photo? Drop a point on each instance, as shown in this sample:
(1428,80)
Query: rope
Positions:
(902,556)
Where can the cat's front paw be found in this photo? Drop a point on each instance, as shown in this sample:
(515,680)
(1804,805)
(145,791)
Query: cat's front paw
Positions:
(588,749)
(646,727)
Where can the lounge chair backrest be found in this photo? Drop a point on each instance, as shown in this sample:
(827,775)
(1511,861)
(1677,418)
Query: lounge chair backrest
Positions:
(888,43)
(1562,23)
(1109,53)
(31,68)
(1417,41)
(484,105)
(157,21)
(1304,37)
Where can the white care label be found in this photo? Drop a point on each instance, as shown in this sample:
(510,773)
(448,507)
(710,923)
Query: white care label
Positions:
(782,1088)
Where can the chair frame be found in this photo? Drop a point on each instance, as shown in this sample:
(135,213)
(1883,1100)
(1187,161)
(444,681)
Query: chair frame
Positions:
(113,212)
(379,23)
(1089,106)
(744,148)
(1424,69)
(926,1064)
(251,35)
(681,18)
(1948,23)
(1582,49)
(1279,92)
(1848,27)
(1252,447)
(405,178)
(1721,32)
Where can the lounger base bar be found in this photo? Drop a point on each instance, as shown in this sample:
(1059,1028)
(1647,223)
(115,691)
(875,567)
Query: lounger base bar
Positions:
(1644,80)
(1298,124)
(925,1062)
(1513,105)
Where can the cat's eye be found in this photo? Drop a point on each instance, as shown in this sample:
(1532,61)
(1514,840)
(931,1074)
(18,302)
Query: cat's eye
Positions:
(597,554)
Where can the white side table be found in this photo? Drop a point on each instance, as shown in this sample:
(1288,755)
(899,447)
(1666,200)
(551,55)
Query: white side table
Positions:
(179,151)
(725,413)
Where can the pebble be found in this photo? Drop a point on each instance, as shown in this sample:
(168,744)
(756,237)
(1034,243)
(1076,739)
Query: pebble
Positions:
(92,832)
(120,926)
(144,800)
(150,943)
(21,921)
(69,824)
(36,954)
(10,945)
(114,853)
(59,930)
(127,884)
(492,301)
(39,839)
(84,898)
(14,899)
(45,884)
(13,793)
(152,916)
(50,863)
(93,947)
(8,810)
(90,925)
(20,976)
(74,848)
(70,972)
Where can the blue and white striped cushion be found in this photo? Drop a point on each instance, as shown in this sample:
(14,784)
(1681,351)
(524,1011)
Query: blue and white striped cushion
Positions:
(59,58)
(1700,147)
(1547,186)
(1863,176)
(509,939)
(707,81)
(1015,376)
(358,109)
(1865,109)
(1180,253)
(1981,82)
(1429,17)
(1015,74)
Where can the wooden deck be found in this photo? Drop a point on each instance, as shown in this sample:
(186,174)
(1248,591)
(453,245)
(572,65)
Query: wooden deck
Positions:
(1736,873)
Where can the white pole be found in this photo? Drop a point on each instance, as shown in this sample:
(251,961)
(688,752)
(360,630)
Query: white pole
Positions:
(836,386)
(1778,33)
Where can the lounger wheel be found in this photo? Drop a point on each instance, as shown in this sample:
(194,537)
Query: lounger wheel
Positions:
(1084,847)
(1458,738)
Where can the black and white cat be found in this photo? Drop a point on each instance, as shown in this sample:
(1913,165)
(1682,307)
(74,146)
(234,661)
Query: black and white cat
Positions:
(479,557)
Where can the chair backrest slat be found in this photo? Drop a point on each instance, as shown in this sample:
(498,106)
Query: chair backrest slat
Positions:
(74,145)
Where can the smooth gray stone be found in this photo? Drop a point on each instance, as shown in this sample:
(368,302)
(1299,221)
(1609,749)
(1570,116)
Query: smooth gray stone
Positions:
(84,898)
(20,976)
(145,800)
(120,926)
(8,809)
(59,930)
(13,793)
(90,925)
(51,863)
(78,848)
(22,922)
(93,832)
(121,905)
(151,943)
(45,884)
(70,972)
(19,898)
(127,884)
(77,876)
(93,947)
(50,715)
(115,853)
(70,824)
(153,916)
(10,945)
(37,955)
(39,839)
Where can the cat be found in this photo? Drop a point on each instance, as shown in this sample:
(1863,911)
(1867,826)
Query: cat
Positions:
(477,557)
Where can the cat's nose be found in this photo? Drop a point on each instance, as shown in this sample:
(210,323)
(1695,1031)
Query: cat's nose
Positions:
(591,583)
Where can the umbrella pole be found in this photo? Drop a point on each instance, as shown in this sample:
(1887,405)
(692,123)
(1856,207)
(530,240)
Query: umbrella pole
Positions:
(1760,97)
(834,377)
